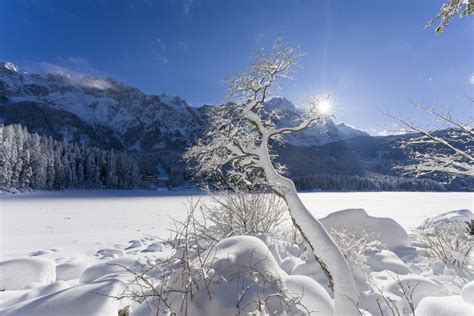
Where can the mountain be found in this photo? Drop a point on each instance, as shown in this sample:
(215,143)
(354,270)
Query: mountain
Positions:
(156,129)
(96,111)
(319,134)
(370,163)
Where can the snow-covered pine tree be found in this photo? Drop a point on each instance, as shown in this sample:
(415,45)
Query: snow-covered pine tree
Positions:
(38,162)
(31,161)
(111,170)
(5,161)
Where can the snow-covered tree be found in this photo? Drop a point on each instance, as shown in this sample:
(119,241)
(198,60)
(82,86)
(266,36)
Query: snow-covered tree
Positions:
(237,147)
(451,153)
(36,162)
(450,9)
(5,161)
(111,169)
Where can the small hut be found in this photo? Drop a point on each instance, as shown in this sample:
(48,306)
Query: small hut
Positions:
(162,178)
(157,179)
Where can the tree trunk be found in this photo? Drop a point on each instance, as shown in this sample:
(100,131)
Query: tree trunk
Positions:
(324,248)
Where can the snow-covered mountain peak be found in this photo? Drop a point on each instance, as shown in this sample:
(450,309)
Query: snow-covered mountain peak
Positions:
(320,133)
(174,101)
(9,66)
(140,121)
(281,104)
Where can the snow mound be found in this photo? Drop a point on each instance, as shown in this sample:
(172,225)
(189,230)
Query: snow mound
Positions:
(41,252)
(86,299)
(423,287)
(312,269)
(387,260)
(246,274)
(134,244)
(109,269)
(155,247)
(313,296)
(23,273)
(467,293)
(358,222)
(44,290)
(110,253)
(443,306)
(71,269)
(458,216)
(289,263)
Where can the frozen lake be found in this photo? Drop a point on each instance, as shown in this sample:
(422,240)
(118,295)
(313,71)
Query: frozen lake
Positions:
(84,221)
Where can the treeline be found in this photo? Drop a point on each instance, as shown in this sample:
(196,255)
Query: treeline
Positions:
(30,161)
(329,182)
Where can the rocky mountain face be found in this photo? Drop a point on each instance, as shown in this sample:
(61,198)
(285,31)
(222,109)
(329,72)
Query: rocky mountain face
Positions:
(96,111)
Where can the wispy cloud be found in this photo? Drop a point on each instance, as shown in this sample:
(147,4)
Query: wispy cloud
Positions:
(471,78)
(183,44)
(72,66)
(395,129)
(163,59)
(160,43)
(76,69)
(160,51)
(187,6)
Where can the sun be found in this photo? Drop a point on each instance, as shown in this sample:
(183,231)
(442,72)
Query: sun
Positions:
(325,106)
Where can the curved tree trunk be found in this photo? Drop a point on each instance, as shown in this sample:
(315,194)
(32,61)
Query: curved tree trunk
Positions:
(324,248)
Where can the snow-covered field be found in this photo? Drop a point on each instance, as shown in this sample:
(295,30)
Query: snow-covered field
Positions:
(63,233)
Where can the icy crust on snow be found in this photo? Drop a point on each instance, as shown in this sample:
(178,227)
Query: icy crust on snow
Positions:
(358,222)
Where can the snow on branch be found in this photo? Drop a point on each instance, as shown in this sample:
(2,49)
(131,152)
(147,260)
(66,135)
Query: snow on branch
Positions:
(449,152)
(450,9)
(237,150)
(253,86)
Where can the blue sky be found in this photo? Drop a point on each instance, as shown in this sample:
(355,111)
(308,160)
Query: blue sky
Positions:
(373,55)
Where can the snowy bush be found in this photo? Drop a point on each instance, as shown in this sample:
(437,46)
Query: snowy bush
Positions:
(237,275)
(241,213)
(448,242)
(167,285)
(356,246)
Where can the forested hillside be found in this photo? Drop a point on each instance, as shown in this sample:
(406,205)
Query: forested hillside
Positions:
(30,161)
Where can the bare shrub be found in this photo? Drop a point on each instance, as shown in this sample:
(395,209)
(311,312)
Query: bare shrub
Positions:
(389,305)
(237,212)
(168,286)
(289,302)
(355,247)
(448,242)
